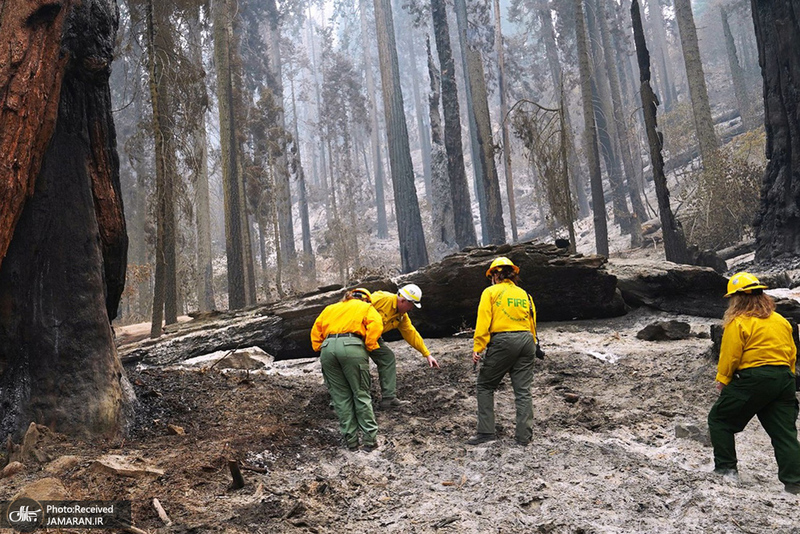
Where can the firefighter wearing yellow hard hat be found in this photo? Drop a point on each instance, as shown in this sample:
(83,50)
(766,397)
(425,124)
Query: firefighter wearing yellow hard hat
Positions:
(343,333)
(506,330)
(393,309)
(755,376)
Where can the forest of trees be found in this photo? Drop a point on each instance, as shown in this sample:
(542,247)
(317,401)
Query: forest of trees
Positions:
(267,148)
(261,149)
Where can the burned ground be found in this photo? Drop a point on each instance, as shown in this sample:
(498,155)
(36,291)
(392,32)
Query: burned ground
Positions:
(620,445)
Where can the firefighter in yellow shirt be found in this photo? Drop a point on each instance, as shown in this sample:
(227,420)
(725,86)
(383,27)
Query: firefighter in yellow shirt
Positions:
(344,332)
(394,309)
(506,330)
(755,376)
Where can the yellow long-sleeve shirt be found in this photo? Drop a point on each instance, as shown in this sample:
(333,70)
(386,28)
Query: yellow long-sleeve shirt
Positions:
(753,342)
(386,304)
(504,307)
(355,316)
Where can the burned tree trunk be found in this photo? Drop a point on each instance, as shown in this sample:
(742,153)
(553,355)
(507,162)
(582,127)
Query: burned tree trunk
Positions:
(778,221)
(674,241)
(29,89)
(64,271)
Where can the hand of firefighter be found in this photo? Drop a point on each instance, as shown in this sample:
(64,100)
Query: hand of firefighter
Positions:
(432,361)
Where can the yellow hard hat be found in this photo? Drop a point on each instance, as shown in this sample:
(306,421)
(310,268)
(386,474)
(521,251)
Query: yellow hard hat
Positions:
(500,262)
(361,293)
(743,283)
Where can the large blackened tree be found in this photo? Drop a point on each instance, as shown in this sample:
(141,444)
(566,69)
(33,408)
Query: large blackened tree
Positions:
(777,25)
(64,270)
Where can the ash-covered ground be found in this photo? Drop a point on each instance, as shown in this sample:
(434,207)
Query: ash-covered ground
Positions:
(620,445)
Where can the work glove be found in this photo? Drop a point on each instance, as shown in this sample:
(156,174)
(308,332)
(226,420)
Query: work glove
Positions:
(539,352)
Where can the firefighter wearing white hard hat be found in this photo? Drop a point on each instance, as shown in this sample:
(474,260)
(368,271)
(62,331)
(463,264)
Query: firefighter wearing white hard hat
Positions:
(394,308)
(755,377)
(506,330)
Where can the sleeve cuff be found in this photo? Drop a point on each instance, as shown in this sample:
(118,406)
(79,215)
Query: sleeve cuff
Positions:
(723,379)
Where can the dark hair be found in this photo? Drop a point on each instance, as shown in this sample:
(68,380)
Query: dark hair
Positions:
(506,272)
(355,294)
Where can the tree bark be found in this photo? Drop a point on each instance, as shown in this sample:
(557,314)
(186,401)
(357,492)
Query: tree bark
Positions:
(199,166)
(501,86)
(434,98)
(666,77)
(64,269)
(701,110)
(778,220)
(166,282)
(374,133)
(620,128)
(459,189)
(413,253)
(674,241)
(309,263)
(282,187)
(229,146)
(603,116)
(422,132)
(460,7)
(737,74)
(551,50)
(443,231)
(29,94)
(495,230)
(590,135)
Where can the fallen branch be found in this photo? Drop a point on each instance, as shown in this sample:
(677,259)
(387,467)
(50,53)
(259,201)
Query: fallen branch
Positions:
(262,470)
(161,512)
(292,511)
(232,351)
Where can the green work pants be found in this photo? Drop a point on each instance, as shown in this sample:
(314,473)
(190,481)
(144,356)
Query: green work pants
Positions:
(512,353)
(387,369)
(769,393)
(345,367)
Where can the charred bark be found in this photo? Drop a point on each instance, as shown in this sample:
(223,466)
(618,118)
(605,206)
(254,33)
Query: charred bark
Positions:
(778,221)
(64,270)
(674,241)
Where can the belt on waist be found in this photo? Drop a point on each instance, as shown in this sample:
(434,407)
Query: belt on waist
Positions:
(510,332)
(346,334)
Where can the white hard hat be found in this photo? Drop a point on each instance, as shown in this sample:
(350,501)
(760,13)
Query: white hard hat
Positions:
(411,293)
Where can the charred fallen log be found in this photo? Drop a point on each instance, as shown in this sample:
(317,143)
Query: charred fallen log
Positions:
(563,287)
(671,287)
